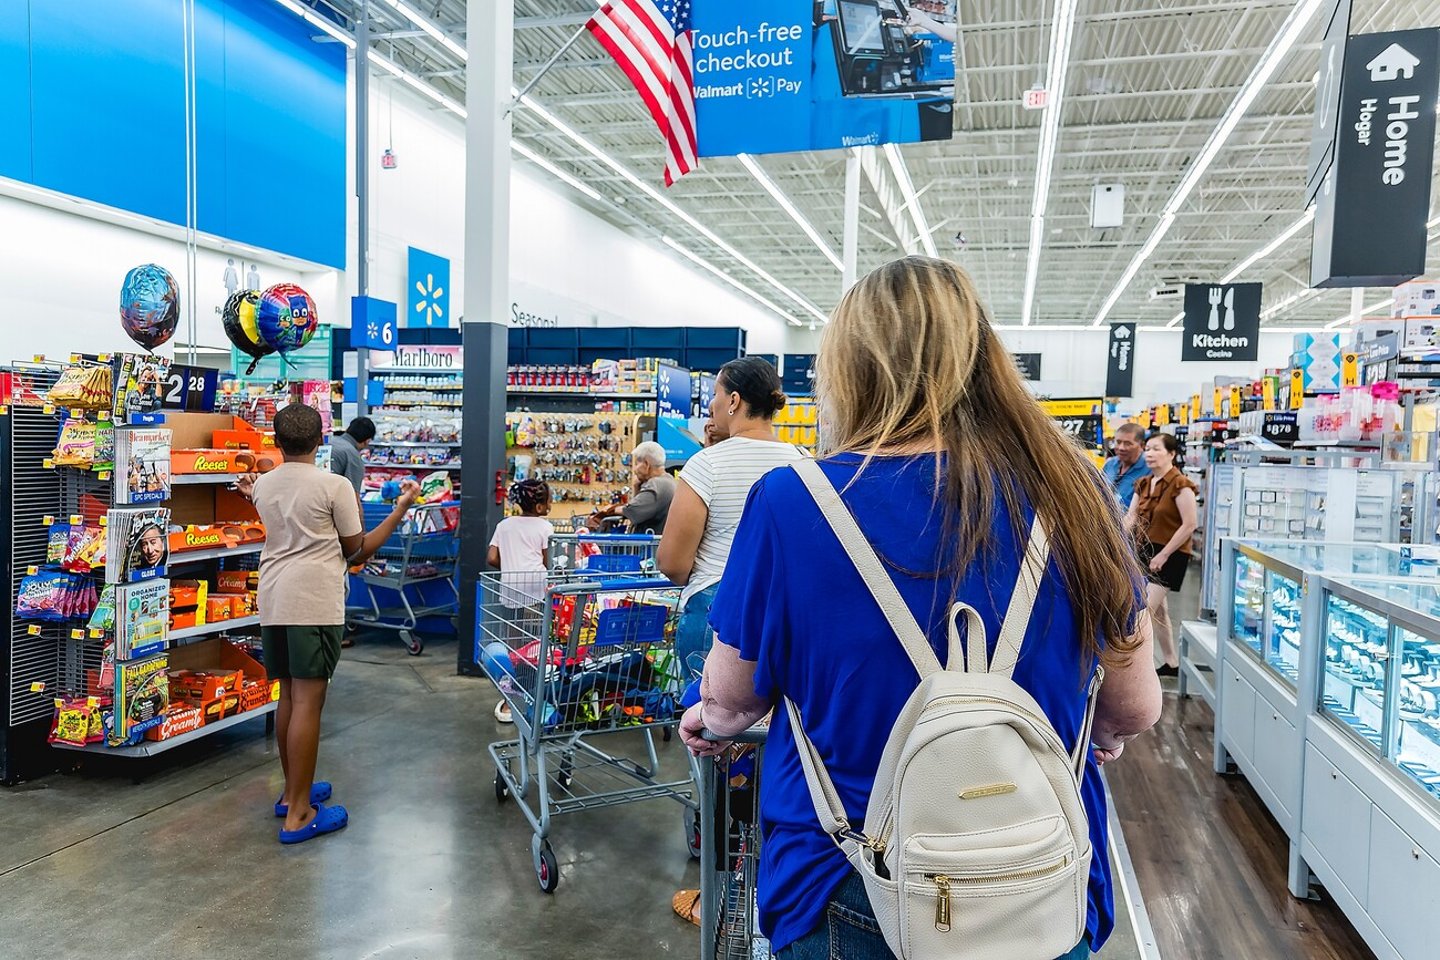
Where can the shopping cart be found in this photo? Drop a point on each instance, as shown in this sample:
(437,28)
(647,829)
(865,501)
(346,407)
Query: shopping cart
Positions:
(611,552)
(580,653)
(412,576)
(730,850)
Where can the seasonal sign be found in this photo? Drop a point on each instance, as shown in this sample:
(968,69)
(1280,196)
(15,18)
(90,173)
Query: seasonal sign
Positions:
(1222,321)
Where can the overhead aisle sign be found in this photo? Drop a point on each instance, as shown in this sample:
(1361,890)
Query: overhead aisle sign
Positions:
(777,76)
(1372,206)
(1120,361)
(1222,321)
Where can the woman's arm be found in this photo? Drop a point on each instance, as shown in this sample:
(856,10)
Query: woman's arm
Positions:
(683,532)
(1133,514)
(1189,519)
(728,705)
(1130,698)
(493,557)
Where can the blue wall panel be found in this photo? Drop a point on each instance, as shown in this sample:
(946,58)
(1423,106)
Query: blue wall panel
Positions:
(92,104)
(15,155)
(109,102)
(285,127)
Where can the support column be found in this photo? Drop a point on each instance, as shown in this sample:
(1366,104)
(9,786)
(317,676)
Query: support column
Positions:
(362,193)
(490,40)
(851,254)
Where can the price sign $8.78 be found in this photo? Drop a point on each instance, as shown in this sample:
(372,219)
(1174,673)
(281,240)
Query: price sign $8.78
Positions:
(190,388)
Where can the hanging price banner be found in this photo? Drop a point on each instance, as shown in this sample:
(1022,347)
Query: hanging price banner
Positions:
(1297,388)
(1195,409)
(1349,369)
(1235,403)
(1267,393)
(1216,409)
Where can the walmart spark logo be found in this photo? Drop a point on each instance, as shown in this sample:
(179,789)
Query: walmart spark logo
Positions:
(430,286)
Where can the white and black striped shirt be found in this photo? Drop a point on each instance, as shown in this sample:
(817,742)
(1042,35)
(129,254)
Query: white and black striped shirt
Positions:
(722,476)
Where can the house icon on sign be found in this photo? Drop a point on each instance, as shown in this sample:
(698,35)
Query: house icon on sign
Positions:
(1394,63)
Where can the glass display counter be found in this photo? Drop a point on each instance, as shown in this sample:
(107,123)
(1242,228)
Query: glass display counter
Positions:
(1369,825)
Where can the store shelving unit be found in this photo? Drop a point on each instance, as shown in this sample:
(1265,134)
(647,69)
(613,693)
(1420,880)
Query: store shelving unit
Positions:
(211,629)
(150,748)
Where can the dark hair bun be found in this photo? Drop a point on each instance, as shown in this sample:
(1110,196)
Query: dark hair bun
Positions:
(780,399)
(757,383)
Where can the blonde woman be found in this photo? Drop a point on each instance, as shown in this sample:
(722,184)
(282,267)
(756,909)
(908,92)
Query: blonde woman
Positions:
(943,458)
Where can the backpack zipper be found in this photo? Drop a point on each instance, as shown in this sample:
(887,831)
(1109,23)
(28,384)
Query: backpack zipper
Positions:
(943,882)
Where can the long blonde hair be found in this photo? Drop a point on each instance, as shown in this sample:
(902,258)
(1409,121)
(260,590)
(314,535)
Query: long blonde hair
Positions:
(911,361)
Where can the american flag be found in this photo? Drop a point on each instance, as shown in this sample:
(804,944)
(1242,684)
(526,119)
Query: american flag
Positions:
(650,39)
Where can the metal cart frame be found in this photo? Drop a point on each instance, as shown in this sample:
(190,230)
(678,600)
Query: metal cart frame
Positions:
(730,854)
(422,538)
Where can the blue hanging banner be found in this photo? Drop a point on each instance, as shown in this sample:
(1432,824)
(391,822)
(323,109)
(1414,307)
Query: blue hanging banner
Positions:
(427,296)
(776,76)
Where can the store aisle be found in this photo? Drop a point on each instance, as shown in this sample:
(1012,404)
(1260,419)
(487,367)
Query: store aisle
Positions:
(185,863)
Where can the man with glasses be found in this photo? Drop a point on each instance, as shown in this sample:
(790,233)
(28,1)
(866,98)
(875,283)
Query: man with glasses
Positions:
(1123,469)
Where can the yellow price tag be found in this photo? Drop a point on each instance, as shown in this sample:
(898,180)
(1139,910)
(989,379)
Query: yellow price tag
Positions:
(96,633)
(47,520)
(105,520)
(1267,393)
(1297,388)
(103,416)
(104,358)
(4,411)
(48,408)
(1184,414)
(1350,369)
(77,634)
(33,630)
(1235,402)
(74,358)
(38,686)
(75,518)
(1216,409)
(92,702)
(77,413)
(1195,407)
(32,570)
(103,475)
(39,358)
(48,464)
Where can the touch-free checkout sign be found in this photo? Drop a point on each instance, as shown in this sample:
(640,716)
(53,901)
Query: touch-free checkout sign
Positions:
(1372,207)
(1222,321)
(776,76)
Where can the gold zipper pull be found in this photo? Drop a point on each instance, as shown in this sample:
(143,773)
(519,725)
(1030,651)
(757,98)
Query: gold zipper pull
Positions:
(942,903)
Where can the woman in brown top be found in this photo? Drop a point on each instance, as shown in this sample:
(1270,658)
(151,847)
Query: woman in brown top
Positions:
(1162,517)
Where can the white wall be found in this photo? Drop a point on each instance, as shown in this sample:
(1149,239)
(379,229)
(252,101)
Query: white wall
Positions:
(61,268)
(1073,362)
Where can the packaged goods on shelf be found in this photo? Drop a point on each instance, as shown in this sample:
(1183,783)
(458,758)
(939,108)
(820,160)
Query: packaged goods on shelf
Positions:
(1317,356)
(139,383)
(142,692)
(143,457)
(84,387)
(1356,414)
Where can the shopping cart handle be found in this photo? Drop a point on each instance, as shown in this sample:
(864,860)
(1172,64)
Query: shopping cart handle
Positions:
(755,734)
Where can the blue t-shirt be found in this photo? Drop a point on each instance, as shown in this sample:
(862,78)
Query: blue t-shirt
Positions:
(794,604)
(1124,484)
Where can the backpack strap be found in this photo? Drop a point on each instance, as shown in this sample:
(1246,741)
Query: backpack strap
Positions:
(872,571)
(1022,601)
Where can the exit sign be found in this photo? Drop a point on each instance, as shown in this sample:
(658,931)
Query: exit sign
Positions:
(1037,98)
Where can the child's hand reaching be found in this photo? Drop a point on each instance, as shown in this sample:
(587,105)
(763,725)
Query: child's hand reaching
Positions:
(409,493)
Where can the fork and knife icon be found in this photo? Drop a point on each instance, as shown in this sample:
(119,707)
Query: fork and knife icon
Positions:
(1219,295)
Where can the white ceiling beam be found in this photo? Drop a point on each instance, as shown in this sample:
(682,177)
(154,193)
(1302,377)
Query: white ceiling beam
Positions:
(887,194)
(911,199)
(1279,49)
(778,195)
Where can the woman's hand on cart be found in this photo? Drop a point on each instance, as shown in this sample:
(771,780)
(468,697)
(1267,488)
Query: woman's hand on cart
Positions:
(694,735)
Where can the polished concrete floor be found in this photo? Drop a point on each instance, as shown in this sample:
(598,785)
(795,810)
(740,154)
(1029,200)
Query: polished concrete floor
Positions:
(184,862)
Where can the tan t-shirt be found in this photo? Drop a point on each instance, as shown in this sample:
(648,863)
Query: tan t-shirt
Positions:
(302,569)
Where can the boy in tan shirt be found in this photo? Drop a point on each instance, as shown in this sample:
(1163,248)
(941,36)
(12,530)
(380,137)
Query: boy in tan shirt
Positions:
(313,533)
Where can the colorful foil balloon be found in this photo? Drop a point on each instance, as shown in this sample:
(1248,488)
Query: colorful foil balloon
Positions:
(239,320)
(149,305)
(286,317)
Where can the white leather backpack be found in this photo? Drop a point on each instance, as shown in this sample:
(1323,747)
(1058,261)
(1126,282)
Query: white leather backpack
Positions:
(976,844)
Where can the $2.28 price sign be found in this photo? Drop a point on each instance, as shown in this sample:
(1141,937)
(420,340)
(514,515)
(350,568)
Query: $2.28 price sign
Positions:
(190,388)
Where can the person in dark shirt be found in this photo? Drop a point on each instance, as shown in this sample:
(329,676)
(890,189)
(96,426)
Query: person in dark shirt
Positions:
(347,456)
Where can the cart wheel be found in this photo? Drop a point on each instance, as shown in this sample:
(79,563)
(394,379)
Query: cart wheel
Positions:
(692,834)
(547,871)
(413,644)
(502,789)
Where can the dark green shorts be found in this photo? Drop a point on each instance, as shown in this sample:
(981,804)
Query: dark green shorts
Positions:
(301,653)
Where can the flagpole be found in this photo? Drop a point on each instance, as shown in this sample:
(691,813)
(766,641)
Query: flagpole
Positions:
(530,85)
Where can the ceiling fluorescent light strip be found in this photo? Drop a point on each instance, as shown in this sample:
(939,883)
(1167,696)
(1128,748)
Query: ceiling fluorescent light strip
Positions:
(1363,310)
(1061,36)
(912,199)
(701,262)
(1278,50)
(416,84)
(430,29)
(589,147)
(1259,255)
(763,178)
(555,171)
(1161,228)
(315,20)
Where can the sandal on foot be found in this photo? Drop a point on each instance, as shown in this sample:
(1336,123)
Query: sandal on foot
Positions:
(684,904)
(502,713)
(319,792)
(327,820)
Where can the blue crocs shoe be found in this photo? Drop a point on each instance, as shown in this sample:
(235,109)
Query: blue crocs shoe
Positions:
(327,820)
(320,791)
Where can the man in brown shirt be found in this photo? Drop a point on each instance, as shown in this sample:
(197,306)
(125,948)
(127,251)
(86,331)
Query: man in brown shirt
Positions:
(313,530)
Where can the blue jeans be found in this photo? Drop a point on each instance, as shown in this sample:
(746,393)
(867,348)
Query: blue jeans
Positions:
(849,931)
(693,635)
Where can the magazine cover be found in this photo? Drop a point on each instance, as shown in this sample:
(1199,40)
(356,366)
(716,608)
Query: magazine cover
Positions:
(139,383)
(142,618)
(144,459)
(142,692)
(138,546)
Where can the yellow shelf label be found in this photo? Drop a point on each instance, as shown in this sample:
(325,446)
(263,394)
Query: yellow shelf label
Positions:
(96,633)
(104,358)
(76,518)
(48,464)
(92,702)
(39,358)
(77,634)
(33,630)
(48,408)
(4,411)
(32,570)
(38,686)
(77,413)
(105,521)
(74,358)
(47,520)
(103,416)
(103,475)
